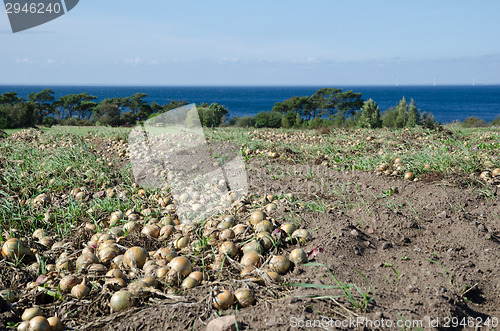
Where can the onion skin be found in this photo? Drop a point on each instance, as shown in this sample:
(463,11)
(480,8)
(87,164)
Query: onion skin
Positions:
(245,297)
(298,256)
(29,313)
(39,323)
(256,217)
(55,323)
(14,249)
(135,257)
(121,300)
(280,264)
(223,299)
(181,265)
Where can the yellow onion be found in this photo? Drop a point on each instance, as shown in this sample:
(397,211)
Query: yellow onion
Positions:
(14,249)
(130,227)
(47,241)
(115,273)
(55,323)
(289,228)
(252,258)
(181,243)
(264,226)
(222,299)
(67,283)
(226,223)
(301,235)
(166,253)
(116,217)
(150,281)
(115,284)
(139,289)
(228,248)
(39,323)
(149,267)
(29,313)
(248,271)
(189,282)
(39,233)
(253,245)
(409,175)
(85,260)
(23,326)
(256,217)
(226,234)
(181,265)
(166,231)
(107,254)
(280,264)
(298,256)
(162,272)
(135,257)
(151,230)
(245,297)
(265,240)
(239,229)
(271,207)
(81,290)
(97,269)
(274,276)
(121,300)
(496,172)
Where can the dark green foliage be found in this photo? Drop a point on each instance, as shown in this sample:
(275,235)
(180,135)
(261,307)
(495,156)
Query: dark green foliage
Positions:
(211,116)
(413,115)
(496,121)
(108,113)
(268,119)
(43,102)
(370,115)
(243,122)
(330,102)
(401,113)
(473,122)
(19,115)
(10,98)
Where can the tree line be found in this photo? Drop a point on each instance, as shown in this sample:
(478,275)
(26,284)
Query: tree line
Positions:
(326,107)
(338,108)
(43,108)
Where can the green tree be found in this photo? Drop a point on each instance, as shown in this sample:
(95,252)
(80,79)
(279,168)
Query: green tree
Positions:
(389,118)
(401,113)
(211,116)
(413,115)
(370,115)
(19,115)
(43,102)
(108,112)
(267,119)
(10,98)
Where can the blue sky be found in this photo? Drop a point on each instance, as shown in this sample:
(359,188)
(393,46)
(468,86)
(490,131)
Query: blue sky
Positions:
(271,42)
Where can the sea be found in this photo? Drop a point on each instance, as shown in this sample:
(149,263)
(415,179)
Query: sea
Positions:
(447,103)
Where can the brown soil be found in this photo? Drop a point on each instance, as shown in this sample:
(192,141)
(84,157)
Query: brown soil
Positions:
(428,251)
(420,251)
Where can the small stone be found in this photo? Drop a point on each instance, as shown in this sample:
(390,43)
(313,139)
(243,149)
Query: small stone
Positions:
(378,315)
(386,245)
(355,233)
(442,214)
(225,323)
(370,230)
(481,227)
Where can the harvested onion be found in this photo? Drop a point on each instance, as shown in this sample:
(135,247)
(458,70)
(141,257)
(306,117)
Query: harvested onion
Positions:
(222,299)
(121,300)
(135,257)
